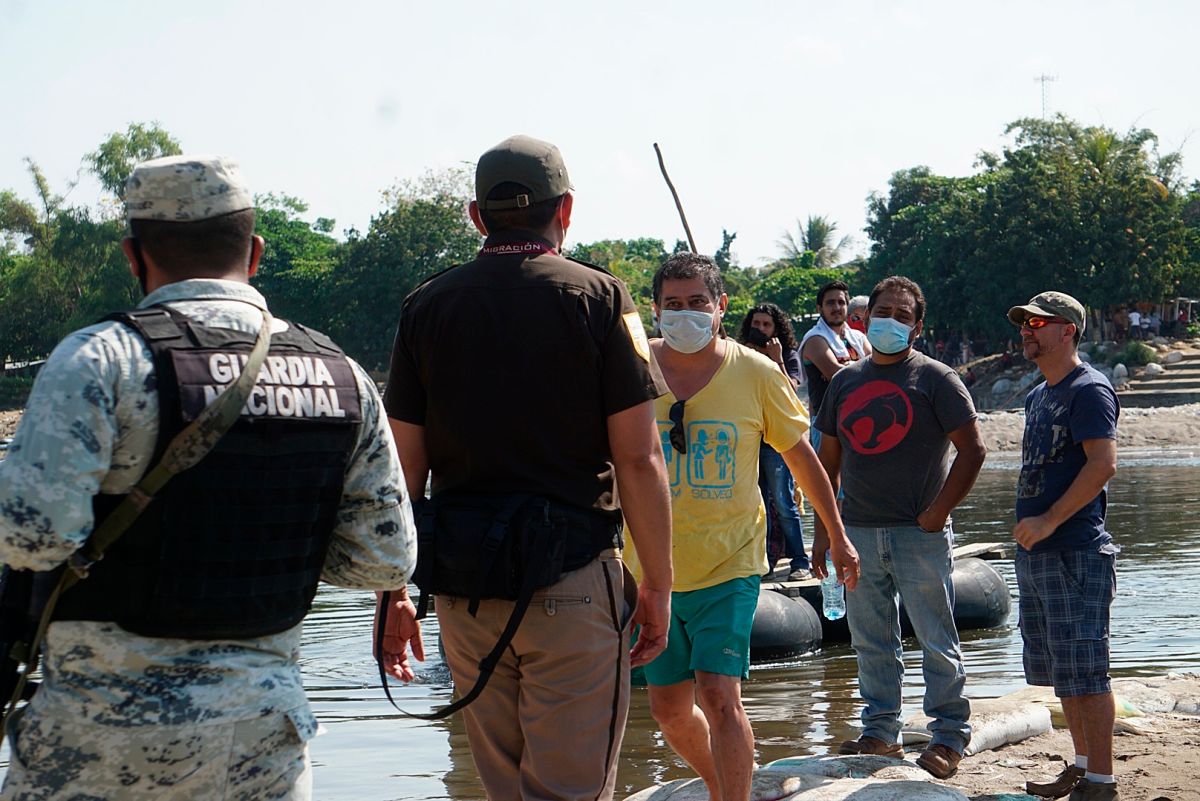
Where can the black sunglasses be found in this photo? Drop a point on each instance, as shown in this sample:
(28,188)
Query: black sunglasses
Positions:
(678,437)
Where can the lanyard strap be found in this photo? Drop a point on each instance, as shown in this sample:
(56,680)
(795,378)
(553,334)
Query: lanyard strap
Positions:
(517,248)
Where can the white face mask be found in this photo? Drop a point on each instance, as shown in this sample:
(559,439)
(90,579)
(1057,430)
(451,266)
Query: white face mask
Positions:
(686,331)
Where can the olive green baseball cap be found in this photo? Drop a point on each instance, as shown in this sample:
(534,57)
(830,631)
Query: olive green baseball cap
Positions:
(1050,304)
(531,163)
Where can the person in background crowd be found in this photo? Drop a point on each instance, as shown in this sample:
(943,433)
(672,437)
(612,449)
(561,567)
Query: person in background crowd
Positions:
(1120,319)
(774,478)
(1066,559)
(1135,322)
(829,346)
(856,313)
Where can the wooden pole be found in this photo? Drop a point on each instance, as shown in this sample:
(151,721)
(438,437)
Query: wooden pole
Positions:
(687,229)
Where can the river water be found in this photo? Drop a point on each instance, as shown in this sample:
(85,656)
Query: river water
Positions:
(369,752)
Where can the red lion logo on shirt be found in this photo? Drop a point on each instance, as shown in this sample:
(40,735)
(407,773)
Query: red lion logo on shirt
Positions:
(875,417)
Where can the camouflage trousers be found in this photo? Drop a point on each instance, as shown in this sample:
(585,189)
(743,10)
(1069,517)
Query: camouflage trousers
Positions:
(249,760)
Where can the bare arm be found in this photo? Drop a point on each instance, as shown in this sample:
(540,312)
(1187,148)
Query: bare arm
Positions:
(414,459)
(814,481)
(830,459)
(646,502)
(967,461)
(402,628)
(817,351)
(1101,465)
(774,351)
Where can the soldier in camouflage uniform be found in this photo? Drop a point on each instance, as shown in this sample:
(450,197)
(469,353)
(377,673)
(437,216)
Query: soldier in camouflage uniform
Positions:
(126,716)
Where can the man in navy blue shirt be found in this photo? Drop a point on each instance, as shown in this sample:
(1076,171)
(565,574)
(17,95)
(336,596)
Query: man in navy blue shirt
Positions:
(1065,562)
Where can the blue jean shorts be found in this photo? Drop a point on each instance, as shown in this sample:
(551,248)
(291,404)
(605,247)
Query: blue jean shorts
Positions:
(1065,601)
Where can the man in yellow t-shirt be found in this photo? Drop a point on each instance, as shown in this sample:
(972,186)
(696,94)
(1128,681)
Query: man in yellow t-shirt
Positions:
(725,400)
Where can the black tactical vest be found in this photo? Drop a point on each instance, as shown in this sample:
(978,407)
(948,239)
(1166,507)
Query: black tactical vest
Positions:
(232,548)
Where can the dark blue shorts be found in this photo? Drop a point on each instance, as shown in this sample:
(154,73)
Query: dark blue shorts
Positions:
(1065,601)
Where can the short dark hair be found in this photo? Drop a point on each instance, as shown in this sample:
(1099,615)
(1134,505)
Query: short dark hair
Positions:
(832,285)
(534,217)
(898,283)
(690,265)
(783,326)
(203,248)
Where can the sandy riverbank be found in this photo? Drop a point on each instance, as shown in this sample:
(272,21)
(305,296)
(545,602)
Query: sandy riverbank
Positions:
(1155,755)
(1168,427)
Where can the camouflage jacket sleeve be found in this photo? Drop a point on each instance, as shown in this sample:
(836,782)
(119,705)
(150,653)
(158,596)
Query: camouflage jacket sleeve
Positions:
(61,452)
(374,545)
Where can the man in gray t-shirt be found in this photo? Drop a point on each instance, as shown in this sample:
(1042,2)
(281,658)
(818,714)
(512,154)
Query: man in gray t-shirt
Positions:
(887,424)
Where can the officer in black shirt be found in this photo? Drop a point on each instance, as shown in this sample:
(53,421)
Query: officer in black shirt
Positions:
(551,395)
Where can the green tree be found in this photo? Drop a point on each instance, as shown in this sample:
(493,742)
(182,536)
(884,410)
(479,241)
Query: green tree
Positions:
(724,254)
(113,162)
(816,234)
(298,261)
(1189,214)
(634,261)
(1077,208)
(423,230)
(63,267)
(794,288)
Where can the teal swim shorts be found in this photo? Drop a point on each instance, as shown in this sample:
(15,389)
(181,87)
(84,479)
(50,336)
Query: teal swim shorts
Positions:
(710,631)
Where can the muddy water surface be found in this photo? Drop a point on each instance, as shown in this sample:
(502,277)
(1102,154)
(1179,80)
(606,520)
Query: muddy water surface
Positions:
(370,752)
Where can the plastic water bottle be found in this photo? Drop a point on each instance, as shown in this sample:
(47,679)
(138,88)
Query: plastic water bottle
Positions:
(833,594)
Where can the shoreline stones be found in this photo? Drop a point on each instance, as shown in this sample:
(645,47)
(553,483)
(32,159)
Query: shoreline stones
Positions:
(822,778)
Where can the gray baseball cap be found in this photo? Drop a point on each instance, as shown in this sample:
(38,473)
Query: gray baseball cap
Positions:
(1050,304)
(185,189)
(532,163)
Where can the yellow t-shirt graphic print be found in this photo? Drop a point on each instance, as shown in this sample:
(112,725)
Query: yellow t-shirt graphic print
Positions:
(718,519)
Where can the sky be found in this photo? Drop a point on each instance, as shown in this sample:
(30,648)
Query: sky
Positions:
(766,112)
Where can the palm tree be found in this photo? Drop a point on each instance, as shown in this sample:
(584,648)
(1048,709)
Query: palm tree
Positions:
(815,234)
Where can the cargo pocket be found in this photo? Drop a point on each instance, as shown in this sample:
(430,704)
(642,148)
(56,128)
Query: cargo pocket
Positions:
(304,723)
(1072,611)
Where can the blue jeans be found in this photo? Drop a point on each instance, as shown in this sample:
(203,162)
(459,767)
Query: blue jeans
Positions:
(779,494)
(909,563)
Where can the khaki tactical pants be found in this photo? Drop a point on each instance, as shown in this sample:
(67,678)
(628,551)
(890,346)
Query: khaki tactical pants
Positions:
(550,722)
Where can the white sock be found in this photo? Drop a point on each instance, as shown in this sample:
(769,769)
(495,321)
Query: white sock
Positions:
(1096,778)
(1081,762)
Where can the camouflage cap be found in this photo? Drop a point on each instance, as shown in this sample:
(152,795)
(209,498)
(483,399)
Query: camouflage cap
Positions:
(532,163)
(185,189)
(1050,304)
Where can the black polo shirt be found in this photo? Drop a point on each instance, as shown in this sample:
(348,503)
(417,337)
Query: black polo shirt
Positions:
(513,363)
